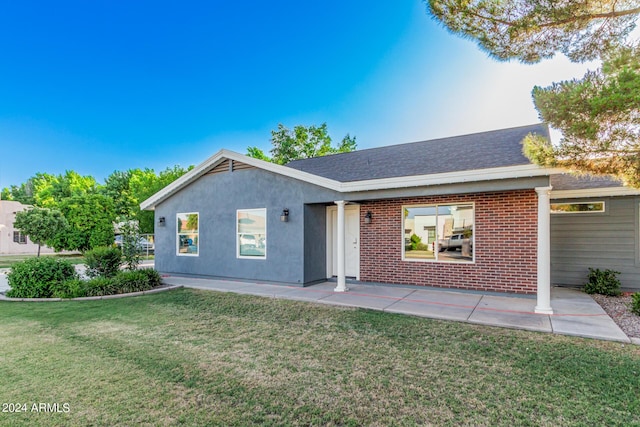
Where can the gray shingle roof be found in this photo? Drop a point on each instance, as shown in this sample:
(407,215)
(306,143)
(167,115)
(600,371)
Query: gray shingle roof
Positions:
(484,150)
(568,181)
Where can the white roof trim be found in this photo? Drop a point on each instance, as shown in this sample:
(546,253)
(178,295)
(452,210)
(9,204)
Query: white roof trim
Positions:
(522,171)
(509,172)
(220,156)
(594,192)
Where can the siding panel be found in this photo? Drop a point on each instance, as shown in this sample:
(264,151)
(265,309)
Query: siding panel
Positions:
(599,240)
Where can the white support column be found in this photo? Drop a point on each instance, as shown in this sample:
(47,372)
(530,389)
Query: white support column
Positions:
(543,305)
(340,252)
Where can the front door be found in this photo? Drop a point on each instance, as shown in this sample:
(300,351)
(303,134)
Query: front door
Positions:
(352,240)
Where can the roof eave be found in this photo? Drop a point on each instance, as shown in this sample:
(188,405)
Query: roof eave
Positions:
(594,192)
(507,172)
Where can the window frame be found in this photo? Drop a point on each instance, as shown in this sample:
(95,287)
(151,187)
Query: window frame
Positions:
(604,207)
(19,237)
(178,233)
(256,257)
(437,237)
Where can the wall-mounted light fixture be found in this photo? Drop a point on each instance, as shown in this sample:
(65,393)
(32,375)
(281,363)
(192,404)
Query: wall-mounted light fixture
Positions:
(367,217)
(284,216)
(161,221)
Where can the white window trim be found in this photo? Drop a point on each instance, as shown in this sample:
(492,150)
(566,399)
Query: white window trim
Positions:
(178,235)
(436,260)
(604,208)
(263,257)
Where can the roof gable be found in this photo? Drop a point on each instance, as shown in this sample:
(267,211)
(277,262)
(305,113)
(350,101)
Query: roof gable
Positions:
(224,159)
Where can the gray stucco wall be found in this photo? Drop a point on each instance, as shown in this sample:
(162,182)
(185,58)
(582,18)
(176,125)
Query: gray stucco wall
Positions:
(598,240)
(217,197)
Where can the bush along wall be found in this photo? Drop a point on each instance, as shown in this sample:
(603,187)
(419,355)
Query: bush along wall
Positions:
(603,282)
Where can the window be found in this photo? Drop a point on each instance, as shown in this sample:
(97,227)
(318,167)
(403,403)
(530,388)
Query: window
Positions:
(188,232)
(251,230)
(438,233)
(580,207)
(19,238)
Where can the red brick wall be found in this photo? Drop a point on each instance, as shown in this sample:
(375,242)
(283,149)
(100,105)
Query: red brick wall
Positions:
(505,231)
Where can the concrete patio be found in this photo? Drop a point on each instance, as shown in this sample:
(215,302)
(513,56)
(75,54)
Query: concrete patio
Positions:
(575,313)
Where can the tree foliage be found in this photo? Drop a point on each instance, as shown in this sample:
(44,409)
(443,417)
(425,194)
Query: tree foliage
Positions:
(599,116)
(530,30)
(302,142)
(90,220)
(89,208)
(144,184)
(42,225)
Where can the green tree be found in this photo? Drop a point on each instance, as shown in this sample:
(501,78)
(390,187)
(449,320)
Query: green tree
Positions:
(145,183)
(26,192)
(598,115)
(41,225)
(302,142)
(117,187)
(90,220)
(50,190)
(530,30)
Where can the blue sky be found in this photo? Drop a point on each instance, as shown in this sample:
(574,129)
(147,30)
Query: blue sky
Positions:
(110,85)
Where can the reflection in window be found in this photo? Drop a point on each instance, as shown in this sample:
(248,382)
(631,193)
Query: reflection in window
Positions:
(439,233)
(251,233)
(582,207)
(188,232)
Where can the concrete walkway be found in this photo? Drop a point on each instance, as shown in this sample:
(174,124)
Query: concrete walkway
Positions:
(575,313)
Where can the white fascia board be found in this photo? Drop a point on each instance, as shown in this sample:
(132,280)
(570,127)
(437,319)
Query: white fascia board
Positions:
(218,158)
(508,172)
(594,192)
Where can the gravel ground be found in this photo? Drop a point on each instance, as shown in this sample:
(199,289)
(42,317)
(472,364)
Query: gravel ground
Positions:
(619,309)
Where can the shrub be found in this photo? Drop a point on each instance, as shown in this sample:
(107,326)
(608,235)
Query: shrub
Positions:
(136,281)
(153,277)
(103,261)
(415,240)
(74,288)
(635,303)
(604,282)
(100,286)
(422,247)
(36,277)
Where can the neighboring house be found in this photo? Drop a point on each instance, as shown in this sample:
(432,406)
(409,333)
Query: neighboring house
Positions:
(12,241)
(479,210)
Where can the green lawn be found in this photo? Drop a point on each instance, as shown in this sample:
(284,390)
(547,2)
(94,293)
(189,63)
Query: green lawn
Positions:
(192,357)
